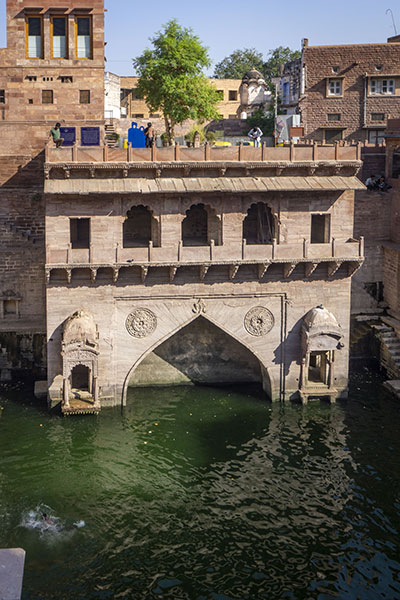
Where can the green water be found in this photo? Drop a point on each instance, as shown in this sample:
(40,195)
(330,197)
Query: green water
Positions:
(205,494)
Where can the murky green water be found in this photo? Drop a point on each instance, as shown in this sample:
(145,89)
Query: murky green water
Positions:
(205,494)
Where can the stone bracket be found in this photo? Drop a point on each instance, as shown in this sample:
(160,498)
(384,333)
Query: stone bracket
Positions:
(288,269)
(233,269)
(309,268)
(172,272)
(353,267)
(333,267)
(143,273)
(93,274)
(203,271)
(115,274)
(262,269)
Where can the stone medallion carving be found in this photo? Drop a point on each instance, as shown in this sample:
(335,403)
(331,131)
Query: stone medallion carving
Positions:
(259,321)
(141,322)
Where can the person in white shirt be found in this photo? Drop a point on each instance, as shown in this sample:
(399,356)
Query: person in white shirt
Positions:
(256,134)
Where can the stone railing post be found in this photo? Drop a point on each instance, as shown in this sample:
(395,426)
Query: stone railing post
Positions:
(361,246)
(333,247)
(212,244)
(150,250)
(305,248)
(273,248)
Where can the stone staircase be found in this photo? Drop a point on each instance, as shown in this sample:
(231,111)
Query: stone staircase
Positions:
(390,350)
(110,136)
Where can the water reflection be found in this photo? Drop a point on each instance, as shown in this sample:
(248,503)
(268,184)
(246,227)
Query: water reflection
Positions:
(208,493)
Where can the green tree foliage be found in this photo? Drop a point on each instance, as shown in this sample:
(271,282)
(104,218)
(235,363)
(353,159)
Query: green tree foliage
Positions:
(276,58)
(238,63)
(265,121)
(171,78)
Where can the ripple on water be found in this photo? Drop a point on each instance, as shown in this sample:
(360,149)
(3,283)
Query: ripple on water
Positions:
(200,494)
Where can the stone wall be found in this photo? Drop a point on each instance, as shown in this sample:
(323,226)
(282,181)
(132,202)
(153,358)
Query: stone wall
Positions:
(372,218)
(25,119)
(174,306)
(352,63)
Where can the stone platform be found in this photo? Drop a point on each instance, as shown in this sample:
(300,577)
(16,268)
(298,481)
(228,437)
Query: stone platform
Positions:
(12,563)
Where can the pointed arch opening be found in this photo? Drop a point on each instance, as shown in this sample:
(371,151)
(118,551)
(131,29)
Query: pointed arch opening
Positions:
(200,353)
(259,224)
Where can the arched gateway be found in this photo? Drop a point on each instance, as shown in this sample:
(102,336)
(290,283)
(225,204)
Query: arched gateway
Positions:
(197,352)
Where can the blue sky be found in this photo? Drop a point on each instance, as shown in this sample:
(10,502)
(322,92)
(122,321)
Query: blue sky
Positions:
(225,25)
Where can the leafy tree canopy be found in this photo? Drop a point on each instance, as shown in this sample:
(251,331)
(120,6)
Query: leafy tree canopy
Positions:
(238,63)
(276,58)
(171,77)
(265,121)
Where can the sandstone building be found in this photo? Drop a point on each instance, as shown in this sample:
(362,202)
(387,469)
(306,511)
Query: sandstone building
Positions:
(136,108)
(344,92)
(172,265)
(176,265)
(52,70)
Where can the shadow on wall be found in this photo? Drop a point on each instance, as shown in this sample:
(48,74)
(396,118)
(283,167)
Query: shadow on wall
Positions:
(290,347)
(28,175)
(200,353)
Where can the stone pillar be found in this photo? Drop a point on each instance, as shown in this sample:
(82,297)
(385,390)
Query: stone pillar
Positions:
(66,391)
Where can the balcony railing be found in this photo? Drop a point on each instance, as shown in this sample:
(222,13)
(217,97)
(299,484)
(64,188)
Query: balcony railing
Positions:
(292,153)
(186,255)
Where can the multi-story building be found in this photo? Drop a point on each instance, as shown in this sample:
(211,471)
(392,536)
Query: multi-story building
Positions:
(52,70)
(209,265)
(136,107)
(344,92)
(162,265)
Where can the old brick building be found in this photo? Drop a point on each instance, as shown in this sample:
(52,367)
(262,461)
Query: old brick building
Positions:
(176,265)
(168,265)
(136,108)
(344,92)
(52,70)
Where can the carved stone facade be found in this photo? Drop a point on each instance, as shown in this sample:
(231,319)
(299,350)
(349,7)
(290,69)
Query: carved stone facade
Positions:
(214,288)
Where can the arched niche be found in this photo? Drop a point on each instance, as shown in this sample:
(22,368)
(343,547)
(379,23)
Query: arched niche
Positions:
(80,353)
(259,226)
(200,226)
(139,228)
(321,338)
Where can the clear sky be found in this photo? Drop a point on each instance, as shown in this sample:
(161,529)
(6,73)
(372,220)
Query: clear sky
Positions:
(225,25)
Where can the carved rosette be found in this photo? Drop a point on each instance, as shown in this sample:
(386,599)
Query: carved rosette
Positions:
(141,322)
(259,321)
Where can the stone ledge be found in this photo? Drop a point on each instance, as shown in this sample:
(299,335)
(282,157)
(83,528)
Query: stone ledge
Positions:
(11,573)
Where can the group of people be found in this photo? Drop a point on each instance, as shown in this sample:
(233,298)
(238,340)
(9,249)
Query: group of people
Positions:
(376,183)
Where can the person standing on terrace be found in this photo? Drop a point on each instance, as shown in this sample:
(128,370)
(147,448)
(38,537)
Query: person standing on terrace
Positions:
(55,133)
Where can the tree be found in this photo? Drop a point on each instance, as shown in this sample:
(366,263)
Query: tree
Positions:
(265,121)
(272,67)
(238,63)
(171,78)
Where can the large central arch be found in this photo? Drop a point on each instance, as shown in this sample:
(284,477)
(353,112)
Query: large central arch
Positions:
(197,352)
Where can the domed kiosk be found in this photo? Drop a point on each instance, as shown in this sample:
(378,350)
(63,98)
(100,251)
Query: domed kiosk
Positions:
(254,93)
(321,338)
(80,364)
